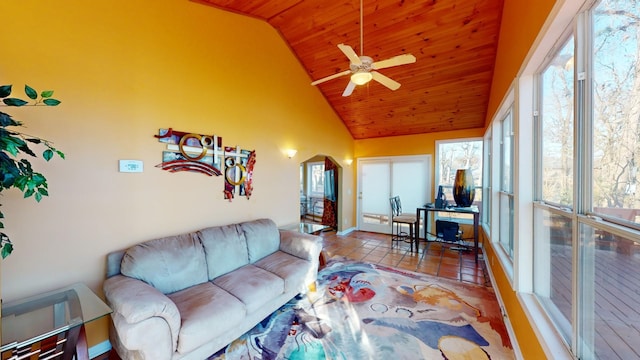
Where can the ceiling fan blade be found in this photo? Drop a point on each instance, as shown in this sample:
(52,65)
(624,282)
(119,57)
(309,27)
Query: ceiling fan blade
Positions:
(388,82)
(331,77)
(394,61)
(350,53)
(349,89)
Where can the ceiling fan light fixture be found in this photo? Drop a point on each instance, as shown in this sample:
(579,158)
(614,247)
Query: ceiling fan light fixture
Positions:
(361,77)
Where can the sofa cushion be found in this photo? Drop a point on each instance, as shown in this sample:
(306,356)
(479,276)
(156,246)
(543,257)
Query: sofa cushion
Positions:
(225,248)
(169,264)
(293,270)
(252,285)
(207,311)
(263,238)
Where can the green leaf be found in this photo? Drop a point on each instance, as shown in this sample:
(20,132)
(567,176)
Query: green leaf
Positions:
(20,183)
(7,120)
(31,93)
(38,197)
(34,140)
(60,153)
(28,193)
(47,154)
(7,249)
(14,102)
(43,191)
(51,102)
(5,90)
(47,94)
(25,149)
(39,179)
(12,149)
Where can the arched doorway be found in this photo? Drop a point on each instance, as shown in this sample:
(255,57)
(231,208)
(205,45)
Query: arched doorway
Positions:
(319,189)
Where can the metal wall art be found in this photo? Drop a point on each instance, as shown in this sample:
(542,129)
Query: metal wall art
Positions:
(204,154)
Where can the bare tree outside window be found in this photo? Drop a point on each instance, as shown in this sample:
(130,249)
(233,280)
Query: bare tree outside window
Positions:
(616,109)
(464,154)
(557,127)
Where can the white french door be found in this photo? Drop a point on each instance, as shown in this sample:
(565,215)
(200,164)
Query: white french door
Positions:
(383,177)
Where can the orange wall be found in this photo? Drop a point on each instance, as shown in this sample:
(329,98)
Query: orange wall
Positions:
(408,145)
(521,22)
(123,69)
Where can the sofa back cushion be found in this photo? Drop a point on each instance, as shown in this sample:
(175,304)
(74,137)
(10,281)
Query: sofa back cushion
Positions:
(168,264)
(225,248)
(263,238)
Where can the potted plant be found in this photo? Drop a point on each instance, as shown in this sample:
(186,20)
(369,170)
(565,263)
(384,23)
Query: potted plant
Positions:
(15,169)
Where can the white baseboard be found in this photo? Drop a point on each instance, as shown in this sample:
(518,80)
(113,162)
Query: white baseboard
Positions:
(99,349)
(346,232)
(507,322)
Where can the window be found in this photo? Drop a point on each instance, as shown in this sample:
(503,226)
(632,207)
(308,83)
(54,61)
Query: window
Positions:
(553,237)
(506,205)
(315,173)
(486,183)
(586,215)
(616,110)
(459,154)
(556,114)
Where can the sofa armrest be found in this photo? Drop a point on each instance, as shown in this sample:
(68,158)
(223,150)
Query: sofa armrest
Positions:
(301,245)
(134,301)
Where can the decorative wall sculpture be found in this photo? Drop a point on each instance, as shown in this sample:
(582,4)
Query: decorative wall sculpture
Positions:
(204,154)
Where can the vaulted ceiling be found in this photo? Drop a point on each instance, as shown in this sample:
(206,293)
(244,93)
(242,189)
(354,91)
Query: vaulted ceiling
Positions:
(447,88)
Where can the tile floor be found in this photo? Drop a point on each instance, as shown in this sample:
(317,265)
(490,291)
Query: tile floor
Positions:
(434,258)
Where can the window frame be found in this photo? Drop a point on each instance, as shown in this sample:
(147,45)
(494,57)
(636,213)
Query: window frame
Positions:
(463,219)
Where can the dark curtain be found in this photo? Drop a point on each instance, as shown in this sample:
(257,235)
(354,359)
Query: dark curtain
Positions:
(329,217)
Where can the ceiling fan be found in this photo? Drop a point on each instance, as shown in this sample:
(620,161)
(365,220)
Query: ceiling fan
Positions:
(363,69)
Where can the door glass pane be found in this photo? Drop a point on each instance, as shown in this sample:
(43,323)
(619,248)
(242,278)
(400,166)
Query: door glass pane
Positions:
(609,295)
(409,182)
(553,267)
(556,115)
(616,109)
(375,193)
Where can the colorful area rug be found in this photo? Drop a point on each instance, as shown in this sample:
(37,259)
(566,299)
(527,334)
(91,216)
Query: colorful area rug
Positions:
(367,311)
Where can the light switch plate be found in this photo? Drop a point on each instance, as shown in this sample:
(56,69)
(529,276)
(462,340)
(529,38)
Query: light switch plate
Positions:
(131,166)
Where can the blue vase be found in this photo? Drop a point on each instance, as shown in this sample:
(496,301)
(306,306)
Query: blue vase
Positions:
(463,188)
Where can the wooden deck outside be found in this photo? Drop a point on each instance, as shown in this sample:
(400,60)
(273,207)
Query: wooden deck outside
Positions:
(616,298)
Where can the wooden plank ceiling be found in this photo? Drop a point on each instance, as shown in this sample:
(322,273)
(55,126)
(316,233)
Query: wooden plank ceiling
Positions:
(447,88)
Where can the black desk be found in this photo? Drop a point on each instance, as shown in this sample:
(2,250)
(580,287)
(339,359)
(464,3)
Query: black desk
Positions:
(473,210)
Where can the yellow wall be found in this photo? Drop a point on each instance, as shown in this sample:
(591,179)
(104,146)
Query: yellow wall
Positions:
(521,22)
(123,69)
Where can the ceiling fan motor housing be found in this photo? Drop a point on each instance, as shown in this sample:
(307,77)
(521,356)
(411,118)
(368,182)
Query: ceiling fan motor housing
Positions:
(364,66)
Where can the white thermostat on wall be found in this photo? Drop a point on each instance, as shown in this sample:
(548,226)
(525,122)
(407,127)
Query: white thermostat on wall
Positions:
(131,166)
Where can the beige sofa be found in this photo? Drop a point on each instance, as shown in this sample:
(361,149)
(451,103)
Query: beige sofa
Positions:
(189,295)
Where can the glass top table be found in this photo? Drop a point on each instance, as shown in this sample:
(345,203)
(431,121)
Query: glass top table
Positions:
(58,314)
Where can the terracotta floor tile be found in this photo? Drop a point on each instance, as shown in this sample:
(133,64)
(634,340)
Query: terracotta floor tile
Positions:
(373,258)
(450,261)
(433,258)
(406,266)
